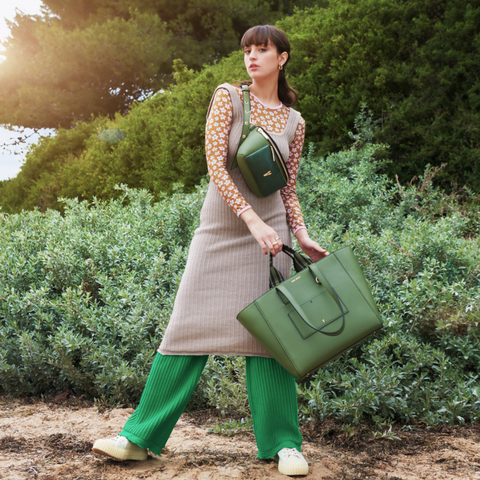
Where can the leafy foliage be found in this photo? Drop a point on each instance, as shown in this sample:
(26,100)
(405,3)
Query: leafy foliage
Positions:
(83,58)
(148,148)
(85,297)
(416,64)
(233,427)
(418,248)
(51,170)
(66,75)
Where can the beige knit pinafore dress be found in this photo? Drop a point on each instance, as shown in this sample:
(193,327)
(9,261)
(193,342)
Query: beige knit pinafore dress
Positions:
(226,269)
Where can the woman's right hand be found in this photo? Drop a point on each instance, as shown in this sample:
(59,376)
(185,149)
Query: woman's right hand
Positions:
(265,235)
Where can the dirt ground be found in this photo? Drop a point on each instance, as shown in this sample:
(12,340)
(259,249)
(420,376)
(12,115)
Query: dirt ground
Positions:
(53,439)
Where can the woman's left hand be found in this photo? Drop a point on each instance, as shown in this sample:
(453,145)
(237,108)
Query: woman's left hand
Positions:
(311,248)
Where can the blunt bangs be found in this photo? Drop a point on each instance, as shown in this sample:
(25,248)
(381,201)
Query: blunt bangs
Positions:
(258,36)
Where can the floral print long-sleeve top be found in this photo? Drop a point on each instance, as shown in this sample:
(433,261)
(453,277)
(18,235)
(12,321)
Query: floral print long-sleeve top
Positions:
(216,146)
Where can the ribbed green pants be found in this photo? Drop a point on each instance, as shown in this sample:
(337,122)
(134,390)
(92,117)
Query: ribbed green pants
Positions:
(272,395)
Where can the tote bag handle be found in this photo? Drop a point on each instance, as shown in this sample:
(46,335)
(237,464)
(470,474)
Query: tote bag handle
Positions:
(299,263)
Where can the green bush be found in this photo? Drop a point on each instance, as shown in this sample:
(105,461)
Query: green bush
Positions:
(419,251)
(159,143)
(416,63)
(85,296)
(41,178)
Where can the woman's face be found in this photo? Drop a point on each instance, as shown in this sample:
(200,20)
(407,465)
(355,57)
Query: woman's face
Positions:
(263,61)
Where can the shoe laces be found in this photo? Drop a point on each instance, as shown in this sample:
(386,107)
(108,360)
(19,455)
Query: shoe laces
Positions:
(290,452)
(121,440)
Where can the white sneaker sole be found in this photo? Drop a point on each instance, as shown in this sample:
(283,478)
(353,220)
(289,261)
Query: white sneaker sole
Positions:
(102,447)
(292,469)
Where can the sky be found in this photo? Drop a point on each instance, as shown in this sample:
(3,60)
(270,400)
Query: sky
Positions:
(7,10)
(10,162)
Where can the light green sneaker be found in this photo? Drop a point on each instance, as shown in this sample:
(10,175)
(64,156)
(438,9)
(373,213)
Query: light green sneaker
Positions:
(291,462)
(120,448)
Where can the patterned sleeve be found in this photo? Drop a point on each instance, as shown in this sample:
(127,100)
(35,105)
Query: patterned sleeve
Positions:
(289,193)
(216,147)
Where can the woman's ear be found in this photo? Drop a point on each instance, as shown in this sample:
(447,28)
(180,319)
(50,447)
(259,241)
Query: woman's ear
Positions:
(282,58)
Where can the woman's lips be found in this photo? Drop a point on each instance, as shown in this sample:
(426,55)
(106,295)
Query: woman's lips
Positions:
(253,66)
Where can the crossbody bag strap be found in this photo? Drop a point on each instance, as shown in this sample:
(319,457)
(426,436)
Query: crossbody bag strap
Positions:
(246,113)
(246,119)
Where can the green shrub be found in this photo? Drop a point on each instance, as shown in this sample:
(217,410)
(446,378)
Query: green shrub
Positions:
(419,250)
(85,297)
(159,143)
(417,65)
(41,178)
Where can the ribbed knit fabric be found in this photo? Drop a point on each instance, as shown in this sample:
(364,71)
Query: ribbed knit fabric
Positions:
(272,394)
(170,385)
(226,269)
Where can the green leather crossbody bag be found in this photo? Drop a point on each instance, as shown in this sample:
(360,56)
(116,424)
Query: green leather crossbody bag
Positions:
(319,313)
(258,157)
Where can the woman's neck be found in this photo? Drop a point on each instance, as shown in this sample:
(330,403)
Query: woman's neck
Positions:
(266,92)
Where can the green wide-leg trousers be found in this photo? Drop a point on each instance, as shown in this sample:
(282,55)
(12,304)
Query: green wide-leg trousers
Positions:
(272,395)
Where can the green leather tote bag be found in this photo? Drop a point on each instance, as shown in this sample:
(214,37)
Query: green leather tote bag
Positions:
(319,313)
(258,157)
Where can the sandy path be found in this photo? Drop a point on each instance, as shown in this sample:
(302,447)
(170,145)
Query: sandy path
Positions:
(52,441)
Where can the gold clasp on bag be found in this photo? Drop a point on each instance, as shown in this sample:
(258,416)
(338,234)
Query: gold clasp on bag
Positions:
(267,174)
(317,280)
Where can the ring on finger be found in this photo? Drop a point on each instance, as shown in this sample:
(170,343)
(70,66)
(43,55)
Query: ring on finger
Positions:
(274,243)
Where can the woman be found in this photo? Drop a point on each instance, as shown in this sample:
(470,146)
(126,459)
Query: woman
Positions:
(226,271)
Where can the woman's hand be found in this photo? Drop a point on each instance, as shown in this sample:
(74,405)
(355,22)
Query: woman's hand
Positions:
(311,248)
(266,236)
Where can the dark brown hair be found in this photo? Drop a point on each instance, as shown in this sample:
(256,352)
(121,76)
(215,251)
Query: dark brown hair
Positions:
(261,35)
